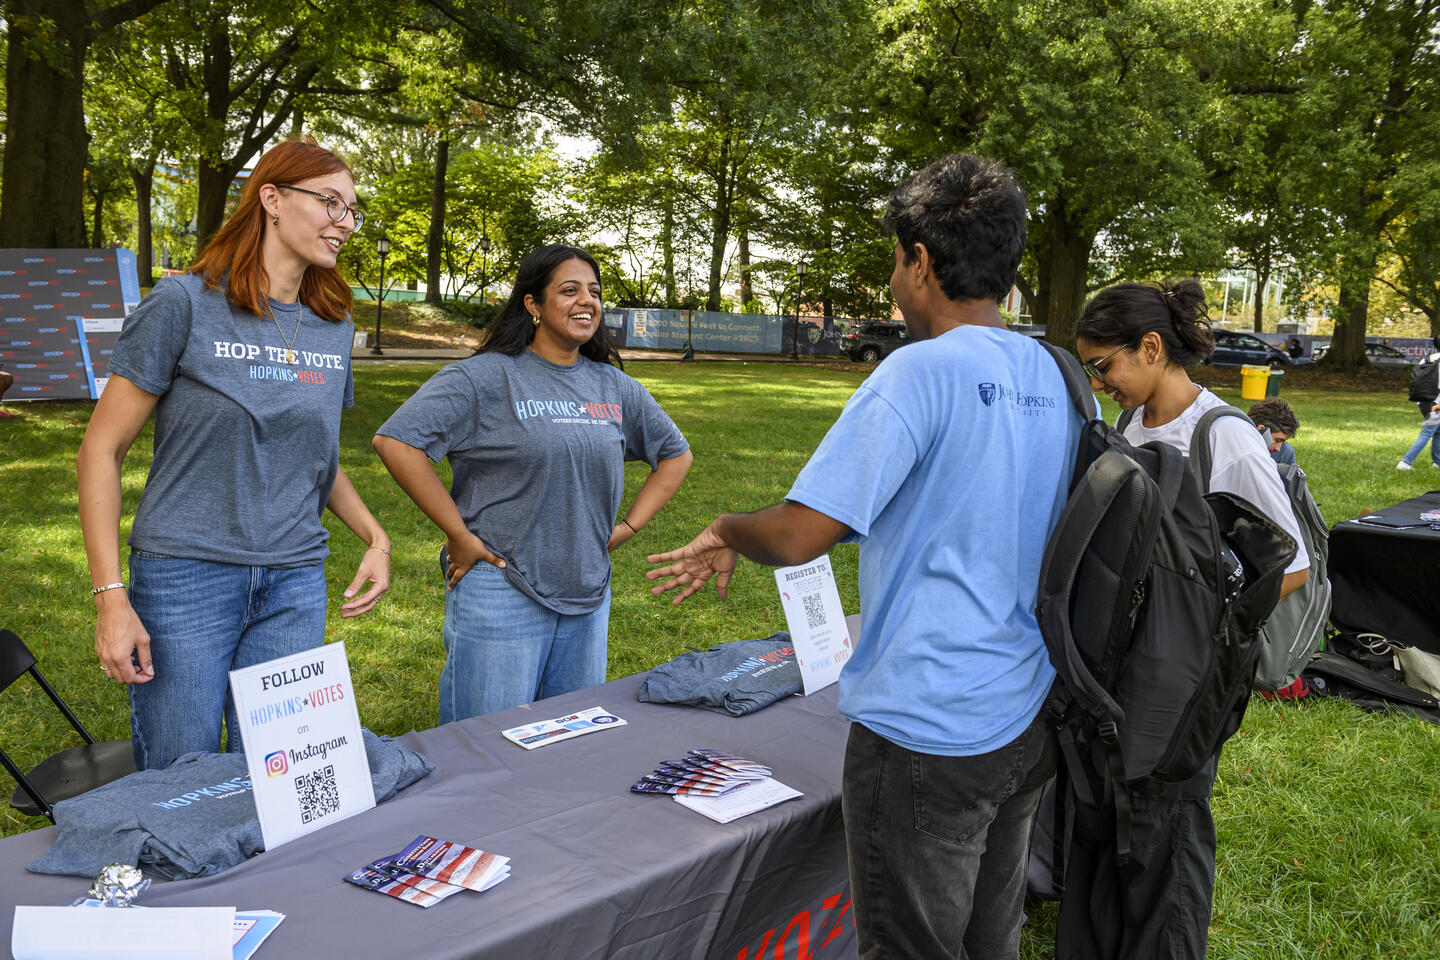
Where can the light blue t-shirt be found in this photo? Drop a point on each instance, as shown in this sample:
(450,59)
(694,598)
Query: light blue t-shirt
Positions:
(950,465)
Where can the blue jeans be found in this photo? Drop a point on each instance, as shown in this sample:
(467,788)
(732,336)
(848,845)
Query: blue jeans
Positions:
(502,649)
(1427,435)
(938,845)
(204,620)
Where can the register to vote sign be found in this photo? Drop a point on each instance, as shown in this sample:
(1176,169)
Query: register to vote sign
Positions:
(303,744)
(818,632)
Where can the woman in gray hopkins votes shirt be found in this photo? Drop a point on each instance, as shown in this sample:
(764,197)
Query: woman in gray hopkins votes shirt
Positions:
(245,362)
(537,427)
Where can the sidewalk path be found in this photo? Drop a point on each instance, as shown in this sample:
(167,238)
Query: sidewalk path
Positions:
(432,355)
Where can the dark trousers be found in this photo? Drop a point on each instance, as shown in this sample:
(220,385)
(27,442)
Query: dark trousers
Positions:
(938,845)
(1158,906)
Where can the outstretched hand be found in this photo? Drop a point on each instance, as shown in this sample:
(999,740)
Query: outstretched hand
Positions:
(693,565)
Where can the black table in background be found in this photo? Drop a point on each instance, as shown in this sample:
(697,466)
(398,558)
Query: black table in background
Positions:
(1387,580)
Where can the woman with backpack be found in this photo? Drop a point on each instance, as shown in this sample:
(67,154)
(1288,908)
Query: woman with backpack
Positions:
(1135,342)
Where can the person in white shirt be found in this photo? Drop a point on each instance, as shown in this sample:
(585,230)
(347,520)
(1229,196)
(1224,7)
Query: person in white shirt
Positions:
(1136,341)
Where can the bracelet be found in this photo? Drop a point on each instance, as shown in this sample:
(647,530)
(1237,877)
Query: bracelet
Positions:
(96,591)
(381,549)
(627,523)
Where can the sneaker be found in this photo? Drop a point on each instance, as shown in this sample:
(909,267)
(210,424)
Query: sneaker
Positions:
(1402,465)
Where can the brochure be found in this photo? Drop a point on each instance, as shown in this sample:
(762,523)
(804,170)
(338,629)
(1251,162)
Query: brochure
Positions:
(741,801)
(546,732)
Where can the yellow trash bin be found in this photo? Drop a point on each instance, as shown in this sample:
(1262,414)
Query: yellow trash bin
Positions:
(1253,381)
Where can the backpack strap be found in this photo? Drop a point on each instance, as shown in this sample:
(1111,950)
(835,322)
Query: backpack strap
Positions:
(1123,421)
(1076,382)
(1200,453)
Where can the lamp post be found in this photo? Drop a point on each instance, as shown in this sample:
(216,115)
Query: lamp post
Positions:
(485,246)
(382,247)
(800,269)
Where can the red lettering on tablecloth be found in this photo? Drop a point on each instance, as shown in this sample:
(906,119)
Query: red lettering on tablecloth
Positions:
(830,927)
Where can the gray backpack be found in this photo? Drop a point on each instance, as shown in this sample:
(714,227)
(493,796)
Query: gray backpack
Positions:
(1296,629)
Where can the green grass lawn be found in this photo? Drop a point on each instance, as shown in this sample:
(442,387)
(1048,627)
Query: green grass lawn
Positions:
(1329,818)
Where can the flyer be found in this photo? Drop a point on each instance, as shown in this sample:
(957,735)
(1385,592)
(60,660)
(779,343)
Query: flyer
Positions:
(816,621)
(533,735)
(303,744)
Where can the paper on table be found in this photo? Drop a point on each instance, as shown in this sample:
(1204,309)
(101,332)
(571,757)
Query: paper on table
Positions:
(158,933)
(250,930)
(741,801)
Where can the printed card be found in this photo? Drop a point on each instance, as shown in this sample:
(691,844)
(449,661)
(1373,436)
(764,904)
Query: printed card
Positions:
(546,732)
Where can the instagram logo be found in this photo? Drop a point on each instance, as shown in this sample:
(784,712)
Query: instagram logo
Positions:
(275,764)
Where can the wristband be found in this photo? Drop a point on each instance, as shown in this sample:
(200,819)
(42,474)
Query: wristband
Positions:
(628,524)
(381,549)
(96,591)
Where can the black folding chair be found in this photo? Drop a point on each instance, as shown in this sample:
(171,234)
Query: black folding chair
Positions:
(68,773)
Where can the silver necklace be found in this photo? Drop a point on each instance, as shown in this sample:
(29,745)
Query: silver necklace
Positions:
(289,344)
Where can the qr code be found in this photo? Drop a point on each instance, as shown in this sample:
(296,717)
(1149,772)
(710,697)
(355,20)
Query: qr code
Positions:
(318,794)
(814,611)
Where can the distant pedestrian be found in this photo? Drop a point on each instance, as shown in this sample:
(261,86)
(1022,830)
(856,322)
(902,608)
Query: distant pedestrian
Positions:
(1427,435)
(1277,416)
(1431,357)
(1295,350)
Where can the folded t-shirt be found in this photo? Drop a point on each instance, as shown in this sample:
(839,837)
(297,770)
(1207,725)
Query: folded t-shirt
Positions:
(194,818)
(737,678)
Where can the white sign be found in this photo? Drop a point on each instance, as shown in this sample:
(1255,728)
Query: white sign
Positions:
(303,745)
(816,620)
(638,321)
(156,933)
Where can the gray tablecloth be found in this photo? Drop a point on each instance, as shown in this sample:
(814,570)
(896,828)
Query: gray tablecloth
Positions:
(597,871)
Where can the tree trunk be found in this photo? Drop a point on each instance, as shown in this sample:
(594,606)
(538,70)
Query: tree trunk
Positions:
(144,179)
(435,239)
(42,196)
(214,174)
(1065,266)
(667,253)
(1262,280)
(1347,345)
(212,189)
(719,225)
(97,222)
(747,293)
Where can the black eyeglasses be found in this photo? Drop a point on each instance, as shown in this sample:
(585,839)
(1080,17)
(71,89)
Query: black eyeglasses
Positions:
(334,206)
(1092,368)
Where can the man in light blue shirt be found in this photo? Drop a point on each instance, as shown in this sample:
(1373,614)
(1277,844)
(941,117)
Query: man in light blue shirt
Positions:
(950,466)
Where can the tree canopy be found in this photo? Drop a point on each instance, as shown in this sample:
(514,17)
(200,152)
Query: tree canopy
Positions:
(705,149)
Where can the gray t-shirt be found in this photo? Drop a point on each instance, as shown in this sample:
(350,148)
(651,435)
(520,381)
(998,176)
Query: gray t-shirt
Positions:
(247,443)
(537,451)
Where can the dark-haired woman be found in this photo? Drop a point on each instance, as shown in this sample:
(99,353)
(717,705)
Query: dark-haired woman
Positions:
(245,362)
(537,427)
(1136,341)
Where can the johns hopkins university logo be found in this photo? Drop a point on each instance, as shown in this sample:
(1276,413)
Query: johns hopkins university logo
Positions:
(987,393)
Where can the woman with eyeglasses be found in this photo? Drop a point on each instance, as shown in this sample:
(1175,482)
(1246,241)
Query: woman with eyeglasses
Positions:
(245,363)
(1135,341)
(537,427)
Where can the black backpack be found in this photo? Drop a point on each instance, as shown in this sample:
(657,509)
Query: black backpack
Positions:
(1296,627)
(1150,598)
(1425,380)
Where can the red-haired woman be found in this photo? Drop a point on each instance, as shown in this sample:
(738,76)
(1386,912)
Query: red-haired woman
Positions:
(245,361)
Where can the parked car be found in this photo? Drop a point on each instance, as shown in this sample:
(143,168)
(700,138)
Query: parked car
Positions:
(872,342)
(1387,357)
(1379,354)
(1233,348)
